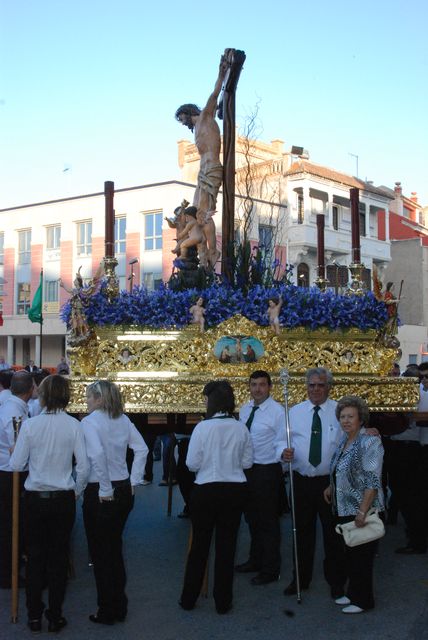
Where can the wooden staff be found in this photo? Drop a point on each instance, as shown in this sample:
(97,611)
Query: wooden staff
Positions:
(15,531)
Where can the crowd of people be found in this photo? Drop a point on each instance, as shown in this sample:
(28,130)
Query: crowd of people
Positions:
(237,461)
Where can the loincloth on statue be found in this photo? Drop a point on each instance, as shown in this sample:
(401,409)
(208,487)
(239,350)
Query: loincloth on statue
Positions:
(210,182)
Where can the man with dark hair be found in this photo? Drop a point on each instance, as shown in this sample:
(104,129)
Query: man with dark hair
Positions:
(15,407)
(265,420)
(5,380)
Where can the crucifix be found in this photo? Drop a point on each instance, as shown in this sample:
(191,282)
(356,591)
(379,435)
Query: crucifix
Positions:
(211,172)
(228,114)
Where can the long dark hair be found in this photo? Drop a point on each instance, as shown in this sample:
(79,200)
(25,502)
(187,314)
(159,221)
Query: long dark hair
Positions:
(221,398)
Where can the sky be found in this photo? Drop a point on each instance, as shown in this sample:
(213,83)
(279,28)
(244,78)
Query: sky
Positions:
(88,88)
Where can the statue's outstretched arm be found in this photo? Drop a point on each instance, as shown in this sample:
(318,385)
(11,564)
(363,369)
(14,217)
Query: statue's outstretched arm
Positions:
(225,62)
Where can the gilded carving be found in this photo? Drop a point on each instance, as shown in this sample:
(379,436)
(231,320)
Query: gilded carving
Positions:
(168,369)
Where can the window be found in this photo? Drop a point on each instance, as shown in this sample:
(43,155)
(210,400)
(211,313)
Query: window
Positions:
(24,246)
(152,281)
(23,298)
(300,209)
(362,220)
(335,211)
(1,247)
(120,235)
(53,237)
(51,291)
(413,358)
(367,279)
(337,276)
(266,242)
(84,238)
(303,275)
(153,231)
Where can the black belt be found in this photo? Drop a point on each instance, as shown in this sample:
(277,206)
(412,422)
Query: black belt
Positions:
(268,464)
(50,494)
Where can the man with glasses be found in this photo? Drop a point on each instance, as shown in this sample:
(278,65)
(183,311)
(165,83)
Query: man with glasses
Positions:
(315,436)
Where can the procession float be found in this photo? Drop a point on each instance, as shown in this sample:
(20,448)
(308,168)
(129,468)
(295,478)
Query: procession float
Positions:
(226,317)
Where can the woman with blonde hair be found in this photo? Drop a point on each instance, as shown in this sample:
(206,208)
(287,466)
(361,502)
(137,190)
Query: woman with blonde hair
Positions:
(109,496)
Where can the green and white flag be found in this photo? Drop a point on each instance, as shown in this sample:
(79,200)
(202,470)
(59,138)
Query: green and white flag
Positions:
(35,313)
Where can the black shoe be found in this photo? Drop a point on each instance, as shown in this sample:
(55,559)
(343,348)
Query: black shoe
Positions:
(101,619)
(55,624)
(223,610)
(186,606)
(291,590)
(264,578)
(247,567)
(35,625)
(408,551)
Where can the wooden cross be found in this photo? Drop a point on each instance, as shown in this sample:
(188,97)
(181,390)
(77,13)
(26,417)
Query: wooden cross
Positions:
(227,113)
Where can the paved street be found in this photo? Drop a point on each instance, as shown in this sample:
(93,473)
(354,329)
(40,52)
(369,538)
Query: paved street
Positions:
(155,553)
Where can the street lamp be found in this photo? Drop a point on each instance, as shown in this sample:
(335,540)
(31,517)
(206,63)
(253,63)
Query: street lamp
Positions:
(132,274)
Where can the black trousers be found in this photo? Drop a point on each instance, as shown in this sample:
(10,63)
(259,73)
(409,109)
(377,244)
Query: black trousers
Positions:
(309,505)
(104,523)
(265,504)
(408,481)
(6,480)
(49,522)
(359,570)
(214,506)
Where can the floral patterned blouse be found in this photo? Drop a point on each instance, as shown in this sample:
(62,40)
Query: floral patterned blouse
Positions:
(354,470)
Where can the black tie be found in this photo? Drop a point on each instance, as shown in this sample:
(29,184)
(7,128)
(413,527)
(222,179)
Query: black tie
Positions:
(251,417)
(316,438)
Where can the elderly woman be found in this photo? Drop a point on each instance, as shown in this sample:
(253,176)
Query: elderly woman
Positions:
(219,451)
(355,487)
(109,496)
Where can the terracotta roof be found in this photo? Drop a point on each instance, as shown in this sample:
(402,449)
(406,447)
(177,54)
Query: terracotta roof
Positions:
(303,166)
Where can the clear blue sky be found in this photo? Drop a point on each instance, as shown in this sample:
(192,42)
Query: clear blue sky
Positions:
(93,85)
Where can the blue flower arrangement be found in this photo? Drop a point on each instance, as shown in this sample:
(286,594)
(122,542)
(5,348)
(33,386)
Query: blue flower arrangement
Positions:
(168,309)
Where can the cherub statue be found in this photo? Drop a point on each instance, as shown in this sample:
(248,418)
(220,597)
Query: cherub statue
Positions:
(79,295)
(198,312)
(125,356)
(178,222)
(273,310)
(192,235)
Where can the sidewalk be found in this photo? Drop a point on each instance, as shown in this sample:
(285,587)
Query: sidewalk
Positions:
(155,550)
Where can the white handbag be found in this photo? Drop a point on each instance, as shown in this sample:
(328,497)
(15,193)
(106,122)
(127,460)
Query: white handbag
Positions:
(354,536)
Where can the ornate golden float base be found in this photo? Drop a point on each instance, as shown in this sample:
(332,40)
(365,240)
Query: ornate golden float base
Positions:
(167,369)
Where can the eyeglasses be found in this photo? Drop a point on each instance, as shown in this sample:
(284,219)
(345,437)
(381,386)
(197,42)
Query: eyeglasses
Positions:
(317,385)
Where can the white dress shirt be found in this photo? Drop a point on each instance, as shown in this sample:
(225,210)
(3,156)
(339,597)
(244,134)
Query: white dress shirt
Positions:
(4,395)
(267,430)
(14,407)
(219,449)
(106,442)
(48,442)
(300,417)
